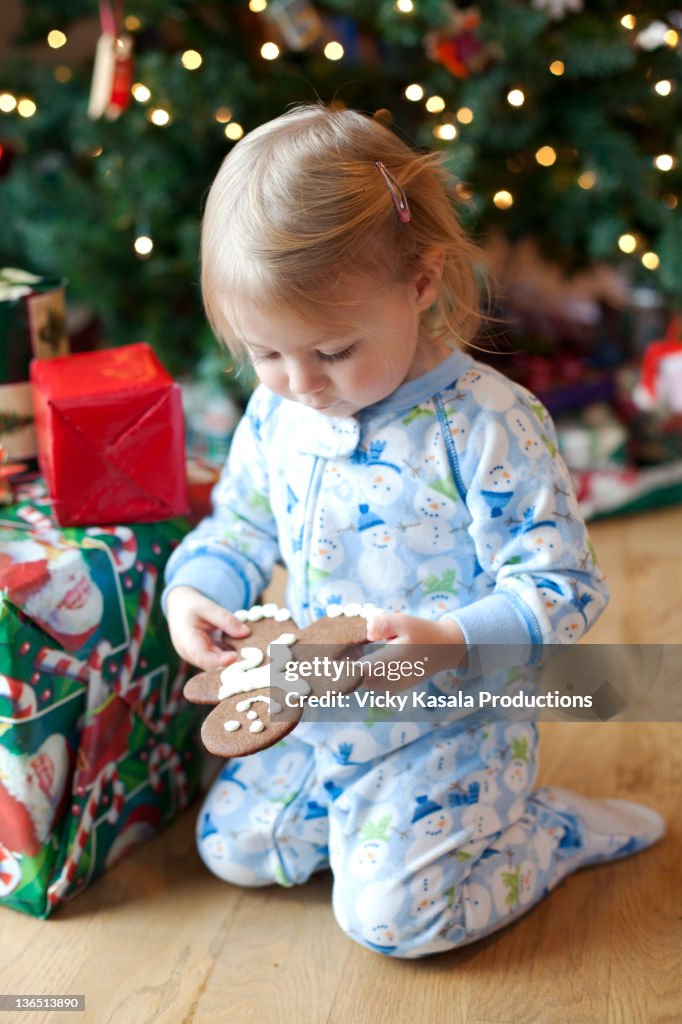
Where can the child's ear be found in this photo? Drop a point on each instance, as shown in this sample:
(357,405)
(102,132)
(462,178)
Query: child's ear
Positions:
(428,277)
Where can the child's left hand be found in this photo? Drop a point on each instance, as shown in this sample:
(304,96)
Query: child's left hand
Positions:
(444,640)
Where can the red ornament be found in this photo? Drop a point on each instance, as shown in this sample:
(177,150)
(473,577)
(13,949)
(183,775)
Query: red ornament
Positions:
(7,154)
(457,46)
(112,74)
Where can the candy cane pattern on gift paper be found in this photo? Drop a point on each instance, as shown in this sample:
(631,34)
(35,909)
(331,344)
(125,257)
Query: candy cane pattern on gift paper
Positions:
(109,774)
(37,520)
(172,760)
(174,701)
(59,663)
(147,591)
(124,551)
(21,694)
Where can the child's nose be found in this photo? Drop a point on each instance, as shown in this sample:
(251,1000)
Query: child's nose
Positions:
(305,380)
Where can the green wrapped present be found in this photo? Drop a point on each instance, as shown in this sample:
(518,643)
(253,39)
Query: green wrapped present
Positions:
(98,749)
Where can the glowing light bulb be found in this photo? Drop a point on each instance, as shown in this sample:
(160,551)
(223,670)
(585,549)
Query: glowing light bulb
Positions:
(269,51)
(671,38)
(546,156)
(8,102)
(587,179)
(414,92)
(141,92)
(503,199)
(159,116)
(628,21)
(26,108)
(191,59)
(223,115)
(333,51)
(664,87)
(627,243)
(234,131)
(258,6)
(516,98)
(650,260)
(143,245)
(664,162)
(404,6)
(56,39)
(132,22)
(447,131)
(435,104)
(557,67)
(465,115)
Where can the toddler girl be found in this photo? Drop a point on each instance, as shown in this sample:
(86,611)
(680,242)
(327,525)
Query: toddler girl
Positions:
(380,463)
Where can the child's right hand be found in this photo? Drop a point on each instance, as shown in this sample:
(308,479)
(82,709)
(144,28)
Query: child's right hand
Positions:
(197,625)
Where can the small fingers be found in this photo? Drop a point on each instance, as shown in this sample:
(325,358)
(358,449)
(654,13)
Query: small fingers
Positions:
(384,626)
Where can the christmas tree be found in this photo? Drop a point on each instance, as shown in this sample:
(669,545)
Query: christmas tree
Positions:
(560,120)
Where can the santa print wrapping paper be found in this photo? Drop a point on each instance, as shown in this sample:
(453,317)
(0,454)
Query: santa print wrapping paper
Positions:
(98,749)
(111,436)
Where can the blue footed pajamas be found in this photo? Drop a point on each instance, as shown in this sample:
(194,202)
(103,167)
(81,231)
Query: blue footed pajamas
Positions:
(434,840)
(446,499)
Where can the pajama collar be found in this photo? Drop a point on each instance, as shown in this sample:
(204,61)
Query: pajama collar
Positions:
(313,433)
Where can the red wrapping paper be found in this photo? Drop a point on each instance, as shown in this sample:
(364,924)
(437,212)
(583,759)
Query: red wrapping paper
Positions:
(110,436)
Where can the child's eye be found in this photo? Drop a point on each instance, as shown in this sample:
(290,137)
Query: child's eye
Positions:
(263,357)
(336,357)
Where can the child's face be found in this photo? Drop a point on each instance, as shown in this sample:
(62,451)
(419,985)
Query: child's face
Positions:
(339,372)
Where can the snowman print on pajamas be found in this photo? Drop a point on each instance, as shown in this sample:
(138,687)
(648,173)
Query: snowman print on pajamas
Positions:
(371,853)
(379,468)
(379,567)
(374,912)
(426,892)
(513,886)
(432,826)
(498,489)
(435,506)
(515,775)
(478,906)
(489,390)
(525,432)
(438,585)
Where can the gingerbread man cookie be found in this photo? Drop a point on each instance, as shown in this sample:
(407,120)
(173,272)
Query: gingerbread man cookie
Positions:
(250,694)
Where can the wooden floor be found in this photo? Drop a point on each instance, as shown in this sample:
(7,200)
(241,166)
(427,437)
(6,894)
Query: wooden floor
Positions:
(160,940)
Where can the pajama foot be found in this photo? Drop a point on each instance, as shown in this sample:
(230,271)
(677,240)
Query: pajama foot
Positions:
(599,830)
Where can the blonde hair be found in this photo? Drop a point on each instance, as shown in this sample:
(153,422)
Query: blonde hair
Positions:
(298,210)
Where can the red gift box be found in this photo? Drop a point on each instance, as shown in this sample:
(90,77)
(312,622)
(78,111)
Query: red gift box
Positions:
(110,436)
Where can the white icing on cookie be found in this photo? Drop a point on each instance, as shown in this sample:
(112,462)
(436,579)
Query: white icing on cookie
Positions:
(244,705)
(263,611)
(232,725)
(249,673)
(335,610)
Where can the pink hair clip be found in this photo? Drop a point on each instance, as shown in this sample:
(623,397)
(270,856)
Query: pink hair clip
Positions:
(397,194)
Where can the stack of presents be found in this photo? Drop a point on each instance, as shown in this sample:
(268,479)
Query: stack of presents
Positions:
(98,749)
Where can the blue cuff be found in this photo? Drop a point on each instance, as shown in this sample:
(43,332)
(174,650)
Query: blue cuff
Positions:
(212,578)
(496,635)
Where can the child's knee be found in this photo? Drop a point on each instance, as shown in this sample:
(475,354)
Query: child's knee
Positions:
(384,917)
